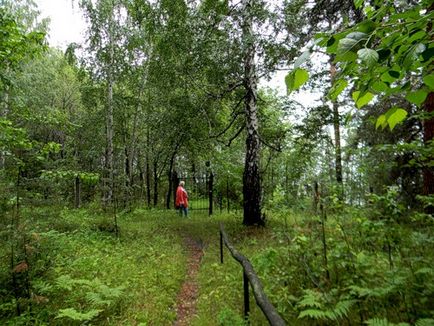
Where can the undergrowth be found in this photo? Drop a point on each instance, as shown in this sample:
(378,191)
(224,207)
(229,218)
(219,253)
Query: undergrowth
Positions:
(358,267)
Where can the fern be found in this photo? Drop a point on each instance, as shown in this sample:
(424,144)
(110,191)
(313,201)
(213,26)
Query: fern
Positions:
(342,308)
(67,283)
(311,299)
(73,314)
(383,322)
(317,309)
(104,295)
(315,314)
(339,311)
(425,322)
(378,322)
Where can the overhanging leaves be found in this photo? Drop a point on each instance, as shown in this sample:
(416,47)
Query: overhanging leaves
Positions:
(368,56)
(296,79)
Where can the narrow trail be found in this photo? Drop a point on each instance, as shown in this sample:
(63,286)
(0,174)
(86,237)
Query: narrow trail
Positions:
(187,297)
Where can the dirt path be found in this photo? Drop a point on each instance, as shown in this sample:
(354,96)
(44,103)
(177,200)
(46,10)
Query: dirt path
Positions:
(187,297)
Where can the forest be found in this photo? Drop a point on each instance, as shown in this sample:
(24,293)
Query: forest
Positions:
(326,188)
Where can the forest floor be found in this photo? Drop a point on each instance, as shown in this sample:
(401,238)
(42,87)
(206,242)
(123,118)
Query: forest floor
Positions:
(165,270)
(161,270)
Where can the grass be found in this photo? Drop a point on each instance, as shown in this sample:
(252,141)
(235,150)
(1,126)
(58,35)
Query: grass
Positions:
(81,273)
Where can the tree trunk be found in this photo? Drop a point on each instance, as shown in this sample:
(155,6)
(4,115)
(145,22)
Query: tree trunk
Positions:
(4,113)
(148,169)
(251,178)
(338,152)
(77,192)
(428,133)
(170,179)
(337,133)
(155,184)
(109,120)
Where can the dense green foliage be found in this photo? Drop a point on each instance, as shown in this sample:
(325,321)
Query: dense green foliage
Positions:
(79,271)
(94,139)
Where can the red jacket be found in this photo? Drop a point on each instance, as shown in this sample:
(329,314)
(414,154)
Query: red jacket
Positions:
(181,197)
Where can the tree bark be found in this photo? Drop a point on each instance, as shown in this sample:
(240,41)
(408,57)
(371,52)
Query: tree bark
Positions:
(77,192)
(109,119)
(170,180)
(148,169)
(251,178)
(428,133)
(155,184)
(337,134)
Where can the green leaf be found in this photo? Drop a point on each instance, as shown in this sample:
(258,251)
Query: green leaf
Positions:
(412,55)
(390,76)
(362,100)
(429,81)
(367,26)
(358,3)
(295,79)
(355,95)
(416,36)
(76,315)
(300,77)
(417,97)
(395,116)
(358,36)
(346,57)
(425,322)
(346,44)
(289,81)
(381,122)
(368,56)
(379,86)
(377,322)
(337,88)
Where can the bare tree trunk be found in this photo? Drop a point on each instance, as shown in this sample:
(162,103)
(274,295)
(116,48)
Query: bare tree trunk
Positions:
(155,184)
(251,178)
(428,133)
(109,119)
(170,179)
(337,133)
(148,182)
(77,192)
(4,113)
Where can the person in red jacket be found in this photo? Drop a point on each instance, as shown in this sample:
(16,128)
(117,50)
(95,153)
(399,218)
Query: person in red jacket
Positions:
(182,199)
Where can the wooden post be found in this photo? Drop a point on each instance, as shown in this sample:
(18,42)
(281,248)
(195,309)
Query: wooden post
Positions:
(210,194)
(221,247)
(246,296)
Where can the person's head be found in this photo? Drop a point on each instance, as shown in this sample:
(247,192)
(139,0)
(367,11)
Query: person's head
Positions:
(182,183)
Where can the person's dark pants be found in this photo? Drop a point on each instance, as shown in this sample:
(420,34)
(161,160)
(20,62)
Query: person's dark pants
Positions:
(183,209)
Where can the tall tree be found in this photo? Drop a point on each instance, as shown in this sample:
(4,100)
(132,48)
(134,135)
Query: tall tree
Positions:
(251,178)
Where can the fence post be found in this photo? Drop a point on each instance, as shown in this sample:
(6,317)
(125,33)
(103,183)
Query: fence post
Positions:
(211,181)
(227,192)
(246,296)
(221,247)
